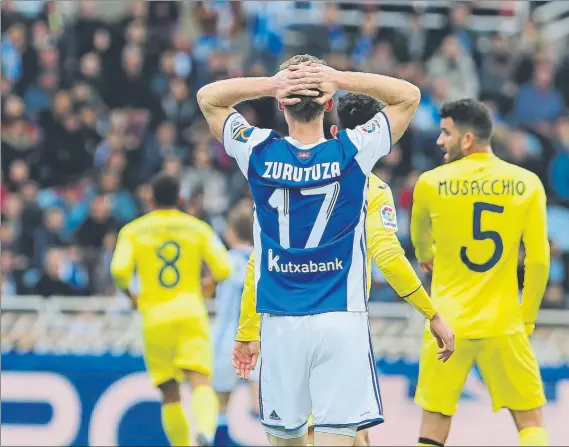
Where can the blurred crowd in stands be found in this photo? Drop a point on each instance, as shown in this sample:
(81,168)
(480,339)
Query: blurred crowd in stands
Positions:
(93,108)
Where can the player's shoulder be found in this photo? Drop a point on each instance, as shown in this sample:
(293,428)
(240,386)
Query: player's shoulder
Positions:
(238,130)
(379,191)
(530,179)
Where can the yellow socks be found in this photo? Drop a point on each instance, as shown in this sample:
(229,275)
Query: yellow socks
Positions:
(175,424)
(533,436)
(205,408)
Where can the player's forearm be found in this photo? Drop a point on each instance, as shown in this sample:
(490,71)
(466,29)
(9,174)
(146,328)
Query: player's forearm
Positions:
(388,90)
(229,92)
(535,282)
(400,275)
(249,320)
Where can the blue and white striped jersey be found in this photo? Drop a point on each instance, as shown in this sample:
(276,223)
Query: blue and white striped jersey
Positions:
(228,299)
(310,208)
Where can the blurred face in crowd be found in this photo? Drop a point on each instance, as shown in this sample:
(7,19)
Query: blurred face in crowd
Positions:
(460,15)
(81,92)
(29,191)
(14,107)
(179,89)
(116,161)
(19,172)
(7,261)
(5,87)
(62,103)
(6,235)
(167,63)
(54,220)
(48,57)
(136,33)
(451,47)
(87,8)
(99,209)
(543,76)
(48,82)
(202,157)
(13,206)
(110,182)
(172,166)
(139,9)
(88,116)
(517,146)
(451,140)
(166,133)
(17,35)
(53,261)
(40,33)
(90,65)
(132,60)
(331,14)
(101,40)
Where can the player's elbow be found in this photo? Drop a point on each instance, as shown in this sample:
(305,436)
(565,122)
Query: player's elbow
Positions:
(222,272)
(204,98)
(412,95)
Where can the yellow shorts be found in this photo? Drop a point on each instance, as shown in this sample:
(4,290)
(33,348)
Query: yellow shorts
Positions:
(177,344)
(507,364)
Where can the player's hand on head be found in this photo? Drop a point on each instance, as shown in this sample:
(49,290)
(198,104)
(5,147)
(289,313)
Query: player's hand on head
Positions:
(324,75)
(444,336)
(290,82)
(244,359)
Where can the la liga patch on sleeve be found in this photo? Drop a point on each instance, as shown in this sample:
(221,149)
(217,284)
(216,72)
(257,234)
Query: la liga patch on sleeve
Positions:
(388,217)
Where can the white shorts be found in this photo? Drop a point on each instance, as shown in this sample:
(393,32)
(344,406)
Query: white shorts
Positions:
(225,380)
(321,364)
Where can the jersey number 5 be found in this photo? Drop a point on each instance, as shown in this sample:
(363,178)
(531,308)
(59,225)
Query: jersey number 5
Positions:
(280,200)
(169,253)
(480,235)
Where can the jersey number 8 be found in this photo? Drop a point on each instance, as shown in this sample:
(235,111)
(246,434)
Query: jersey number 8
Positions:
(480,235)
(169,253)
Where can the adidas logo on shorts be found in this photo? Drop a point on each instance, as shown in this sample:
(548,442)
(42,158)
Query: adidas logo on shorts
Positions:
(274,416)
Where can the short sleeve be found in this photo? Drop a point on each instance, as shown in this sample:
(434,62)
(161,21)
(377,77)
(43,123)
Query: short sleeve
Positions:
(239,139)
(372,140)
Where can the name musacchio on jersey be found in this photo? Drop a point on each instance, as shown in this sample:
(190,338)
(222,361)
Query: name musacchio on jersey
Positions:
(310,208)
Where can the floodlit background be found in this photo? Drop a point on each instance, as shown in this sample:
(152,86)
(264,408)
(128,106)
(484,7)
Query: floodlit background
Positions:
(99,96)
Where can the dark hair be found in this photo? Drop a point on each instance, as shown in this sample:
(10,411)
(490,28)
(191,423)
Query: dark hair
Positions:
(355,109)
(307,109)
(240,220)
(470,115)
(165,190)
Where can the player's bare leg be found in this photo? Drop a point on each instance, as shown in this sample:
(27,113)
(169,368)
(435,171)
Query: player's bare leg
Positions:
(254,393)
(205,406)
(174,420)
(325,439)
(435,428)
(293,442)
(310,436)
(530,427)
(362,439)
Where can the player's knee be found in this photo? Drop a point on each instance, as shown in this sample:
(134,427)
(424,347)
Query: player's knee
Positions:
(197,379)
(362,439)
(528,419)
(170,391)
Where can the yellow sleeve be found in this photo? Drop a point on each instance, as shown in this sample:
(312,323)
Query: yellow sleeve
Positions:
(537,259)
(216,256)
(122,264)
(421,233)
(249,320)
(390,257)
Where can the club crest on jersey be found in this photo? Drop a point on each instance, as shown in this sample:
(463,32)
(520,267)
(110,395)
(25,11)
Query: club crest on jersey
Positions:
(242,134)
(388,217)
(304,155)
(371,126)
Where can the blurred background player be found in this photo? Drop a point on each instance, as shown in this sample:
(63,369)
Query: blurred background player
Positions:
(166,248)
(239,237)
(383,246)
(469,217)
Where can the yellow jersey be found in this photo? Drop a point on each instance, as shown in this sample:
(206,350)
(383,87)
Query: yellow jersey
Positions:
(166,248)
(382,246)
(469,217)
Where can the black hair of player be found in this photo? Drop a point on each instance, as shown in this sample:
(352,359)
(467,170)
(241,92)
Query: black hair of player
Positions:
(355,109)
(470,115)
(165,191)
